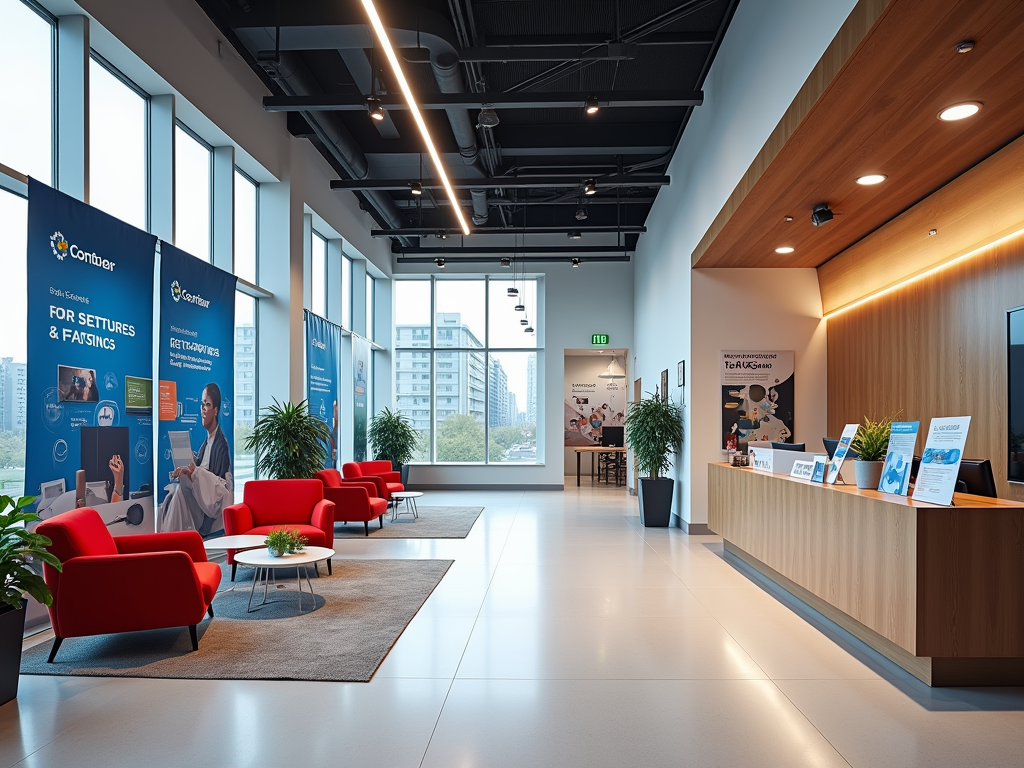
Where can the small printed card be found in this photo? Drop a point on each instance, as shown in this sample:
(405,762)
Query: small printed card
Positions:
(802,469)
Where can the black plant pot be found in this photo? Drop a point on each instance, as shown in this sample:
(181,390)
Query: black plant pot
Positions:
(656,501)
(12,631)
(404,469)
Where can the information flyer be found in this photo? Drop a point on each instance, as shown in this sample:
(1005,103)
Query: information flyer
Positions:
(758,396)
(899,458)
(323,382)
(940,462)
(849,432)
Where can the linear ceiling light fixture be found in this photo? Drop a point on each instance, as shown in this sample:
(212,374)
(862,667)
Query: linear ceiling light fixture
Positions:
(382,36)
(927,273)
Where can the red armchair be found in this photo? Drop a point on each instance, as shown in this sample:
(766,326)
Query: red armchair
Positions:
(294,504)
(378,472)
(131,583)
(354,500)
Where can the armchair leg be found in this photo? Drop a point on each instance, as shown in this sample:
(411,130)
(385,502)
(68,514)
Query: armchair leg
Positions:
(329,571)
(234,567)
(194,635)
(209,610)
(380,522)
(366,527)
(54,648)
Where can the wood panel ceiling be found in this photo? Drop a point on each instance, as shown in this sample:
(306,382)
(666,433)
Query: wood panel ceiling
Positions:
(878,115)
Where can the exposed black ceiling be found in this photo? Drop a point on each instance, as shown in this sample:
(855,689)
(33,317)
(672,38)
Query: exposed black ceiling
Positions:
(535,61)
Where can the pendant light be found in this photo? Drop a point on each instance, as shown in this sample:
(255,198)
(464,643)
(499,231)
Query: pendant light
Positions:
(613,371)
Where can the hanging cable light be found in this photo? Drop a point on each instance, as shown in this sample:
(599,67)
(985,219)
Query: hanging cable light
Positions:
(613,371)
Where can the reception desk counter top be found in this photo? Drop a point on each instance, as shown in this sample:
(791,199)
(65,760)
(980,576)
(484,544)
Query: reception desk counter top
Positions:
(938,590)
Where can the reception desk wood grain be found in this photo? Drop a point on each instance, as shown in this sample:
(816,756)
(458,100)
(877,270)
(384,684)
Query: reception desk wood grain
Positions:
(938,590)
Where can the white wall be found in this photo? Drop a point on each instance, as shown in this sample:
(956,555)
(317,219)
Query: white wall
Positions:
(594,298)
(751,309)
(766,55)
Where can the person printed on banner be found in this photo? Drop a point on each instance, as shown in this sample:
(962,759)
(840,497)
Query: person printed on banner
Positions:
(117,470)
(199,492)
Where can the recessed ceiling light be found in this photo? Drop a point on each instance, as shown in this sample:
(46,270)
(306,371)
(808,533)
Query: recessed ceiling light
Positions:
(871,179)
(784,249)
(960,111)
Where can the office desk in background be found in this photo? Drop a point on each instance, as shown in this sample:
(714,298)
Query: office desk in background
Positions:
(592,449)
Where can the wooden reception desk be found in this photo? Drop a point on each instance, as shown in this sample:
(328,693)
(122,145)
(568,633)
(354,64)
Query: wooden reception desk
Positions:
(938,590)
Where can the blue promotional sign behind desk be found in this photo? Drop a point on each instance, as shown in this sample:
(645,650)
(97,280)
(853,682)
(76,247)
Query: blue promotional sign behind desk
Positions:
(197,382)
(323,385)
(90,361)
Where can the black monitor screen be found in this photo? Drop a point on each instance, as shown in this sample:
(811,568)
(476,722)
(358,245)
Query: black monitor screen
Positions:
(1015,394)
(976,475)
(612,437)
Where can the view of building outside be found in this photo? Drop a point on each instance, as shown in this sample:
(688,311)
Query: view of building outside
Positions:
(13,311)
(245,386)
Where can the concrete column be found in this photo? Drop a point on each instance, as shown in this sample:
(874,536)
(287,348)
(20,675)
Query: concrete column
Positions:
(161,166)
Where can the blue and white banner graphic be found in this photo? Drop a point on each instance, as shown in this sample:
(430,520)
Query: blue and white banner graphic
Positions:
(197,382)
(360,396)
(323,376)
(89,362)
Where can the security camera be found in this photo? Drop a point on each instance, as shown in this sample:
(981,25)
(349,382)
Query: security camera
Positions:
(821,214)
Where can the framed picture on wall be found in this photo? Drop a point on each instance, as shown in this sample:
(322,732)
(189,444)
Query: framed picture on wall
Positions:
(664,386)
(680,373)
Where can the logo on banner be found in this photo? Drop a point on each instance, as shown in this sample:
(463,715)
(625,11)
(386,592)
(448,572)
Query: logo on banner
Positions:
(59,246)
(180,294)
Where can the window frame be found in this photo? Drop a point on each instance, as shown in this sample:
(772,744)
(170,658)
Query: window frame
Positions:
(325,294)
(256,233)
(210,190)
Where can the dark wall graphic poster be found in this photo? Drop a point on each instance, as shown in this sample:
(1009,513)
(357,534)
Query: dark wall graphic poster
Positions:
(758,396)
(197,381)
(360,395)
(89,362)
(323,382)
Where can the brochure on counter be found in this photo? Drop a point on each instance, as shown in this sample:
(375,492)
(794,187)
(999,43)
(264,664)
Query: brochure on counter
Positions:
(940,462)
(899,458)
(849,432)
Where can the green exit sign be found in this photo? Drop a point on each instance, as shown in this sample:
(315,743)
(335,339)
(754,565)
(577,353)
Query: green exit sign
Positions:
(599,339)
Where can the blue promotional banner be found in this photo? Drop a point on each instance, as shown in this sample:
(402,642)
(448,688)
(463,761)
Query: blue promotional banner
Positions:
(89,362)
(360,395)
(197,380)
(323,384)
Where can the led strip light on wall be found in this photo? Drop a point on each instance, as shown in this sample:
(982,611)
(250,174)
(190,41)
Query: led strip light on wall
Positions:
(382,35)
(927,273)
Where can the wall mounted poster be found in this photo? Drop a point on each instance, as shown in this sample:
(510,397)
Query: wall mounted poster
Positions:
(836,466)
(197,382)
(940,462)
(758,396)
(591,404)
(899,458)
(89,361)
(323,382)
(360,395)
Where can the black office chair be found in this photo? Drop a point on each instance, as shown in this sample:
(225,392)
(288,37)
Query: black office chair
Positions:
(788,446)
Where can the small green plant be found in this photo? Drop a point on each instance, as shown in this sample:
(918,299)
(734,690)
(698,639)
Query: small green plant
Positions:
(654,431)
(392,437)
(289,442)
(285,540)
(872,439)
(19,548)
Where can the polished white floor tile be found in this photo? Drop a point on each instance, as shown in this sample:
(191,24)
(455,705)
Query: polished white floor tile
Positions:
(621,601)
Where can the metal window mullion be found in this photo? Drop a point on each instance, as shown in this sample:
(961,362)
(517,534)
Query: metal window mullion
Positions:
(487,368)
(433,371)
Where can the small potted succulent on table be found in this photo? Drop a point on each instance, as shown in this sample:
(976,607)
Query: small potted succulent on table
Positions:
(282,541)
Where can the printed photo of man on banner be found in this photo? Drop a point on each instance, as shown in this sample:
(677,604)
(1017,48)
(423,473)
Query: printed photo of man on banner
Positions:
(197,326)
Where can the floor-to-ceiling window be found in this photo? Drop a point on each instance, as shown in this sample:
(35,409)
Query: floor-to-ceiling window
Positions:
(318,275)
(466,368)
(118,137)
(246,257)
(346,292)
(193,178)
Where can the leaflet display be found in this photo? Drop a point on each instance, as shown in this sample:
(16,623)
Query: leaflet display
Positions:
(899,458)
(849,432)
(940,462)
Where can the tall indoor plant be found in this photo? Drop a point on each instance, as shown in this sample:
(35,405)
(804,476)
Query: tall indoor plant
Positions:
(19,549)
(654,432)
(289,442)
(393,438)
(871,444)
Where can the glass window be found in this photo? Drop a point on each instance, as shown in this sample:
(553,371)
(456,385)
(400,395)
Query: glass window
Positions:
(370,284)
(460,313)
(346,292)
(506,326)
(318,276)
(246,230)
(193,173)
(245,386)
(118,135)
(459,405)
(511,397)
(26,128)
(412,313)
(412,395)
(13,313)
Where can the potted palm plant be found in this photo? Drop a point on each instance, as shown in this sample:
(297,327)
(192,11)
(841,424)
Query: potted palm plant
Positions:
(289,442)
(19,549)
(393,438)
(871,444)
(654,432)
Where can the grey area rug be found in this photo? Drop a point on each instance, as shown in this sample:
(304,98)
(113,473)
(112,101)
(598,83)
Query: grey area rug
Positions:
(433,523)
(360,612)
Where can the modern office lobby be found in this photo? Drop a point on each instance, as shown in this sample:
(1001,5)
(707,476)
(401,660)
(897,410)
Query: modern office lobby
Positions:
(514,228)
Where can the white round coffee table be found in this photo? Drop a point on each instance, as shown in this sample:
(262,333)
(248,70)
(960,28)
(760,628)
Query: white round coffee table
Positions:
(235,542)
(409,497)
(265,564)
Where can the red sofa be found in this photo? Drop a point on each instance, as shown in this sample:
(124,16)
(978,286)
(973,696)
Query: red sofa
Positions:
(354,500)
(131,583)
(378,472)
(294,504)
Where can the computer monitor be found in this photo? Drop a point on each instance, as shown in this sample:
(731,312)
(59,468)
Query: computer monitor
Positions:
(788,446)
(99,444)
(830,448)
(613,437)
(976,474)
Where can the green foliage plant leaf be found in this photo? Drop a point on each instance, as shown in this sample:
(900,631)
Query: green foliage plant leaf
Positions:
(289,442)
(392,436)
(872,439)
(654,432)
(20,549)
